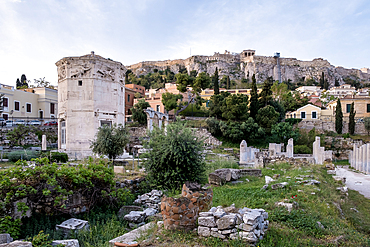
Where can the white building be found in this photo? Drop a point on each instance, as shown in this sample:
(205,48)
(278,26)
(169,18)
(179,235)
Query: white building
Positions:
(341,91)
(91,93)
(309,90)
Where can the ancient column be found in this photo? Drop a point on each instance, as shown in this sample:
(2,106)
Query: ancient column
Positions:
(368,158)
(43,143)
(243,153)
(316,147)
(353,156)
(272,149)
(289,148)
(360,158)
(364,158)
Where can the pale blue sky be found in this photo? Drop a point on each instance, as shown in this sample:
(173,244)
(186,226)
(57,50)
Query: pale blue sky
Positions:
(34,34)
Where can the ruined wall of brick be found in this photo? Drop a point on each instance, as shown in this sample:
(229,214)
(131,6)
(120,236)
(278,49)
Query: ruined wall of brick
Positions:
(182,213)
(207,136)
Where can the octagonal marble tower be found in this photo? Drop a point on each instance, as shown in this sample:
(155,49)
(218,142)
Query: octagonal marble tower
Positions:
(91,93)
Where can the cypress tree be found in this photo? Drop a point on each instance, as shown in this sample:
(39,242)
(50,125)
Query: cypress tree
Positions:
(18,83)
(351,123)
(322,80)
(326,84)
(338,118)
(266,93)
(228,82)
(336,82)
(254,99)
(216,87)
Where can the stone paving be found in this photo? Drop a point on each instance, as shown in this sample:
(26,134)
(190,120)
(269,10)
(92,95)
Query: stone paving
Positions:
(356,181)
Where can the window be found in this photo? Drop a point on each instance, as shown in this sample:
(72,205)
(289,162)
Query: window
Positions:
(128,98)
(16,105)
(105,123)
(158,107)
(368,107)
(5,102)
(295,115)
(5,116)
(348,108)
(63,133)
(52,108)
(28,107)
(80,83)
(314,115)
(303,115)
(207,103)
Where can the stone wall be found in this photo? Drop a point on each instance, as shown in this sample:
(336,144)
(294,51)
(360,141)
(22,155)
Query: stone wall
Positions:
(207,136)
(322,126)
(182,213)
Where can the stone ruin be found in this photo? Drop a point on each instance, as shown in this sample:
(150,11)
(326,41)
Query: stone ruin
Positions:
(319,153)
(359,158)
(182,213)
(221,176)
(275,153)
(233,223)
(247,154)
(156,117)
(276,149)
(71,225)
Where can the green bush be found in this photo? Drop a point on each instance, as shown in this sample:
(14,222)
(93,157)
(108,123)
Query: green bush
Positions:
(174,157)
(346,135)
(11,226)
(59,157)
(293,121)
(302,149)
(41,240)
(22,154)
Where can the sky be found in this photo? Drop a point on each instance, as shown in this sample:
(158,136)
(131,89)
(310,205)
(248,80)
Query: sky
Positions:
(35,34)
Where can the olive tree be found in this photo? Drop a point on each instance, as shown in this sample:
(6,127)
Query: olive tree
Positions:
(110,141)
(174,156)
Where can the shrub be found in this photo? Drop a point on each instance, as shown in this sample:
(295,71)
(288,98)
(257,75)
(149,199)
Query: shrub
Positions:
(302,149)
(22,154)
(59,157)
(346,135)
(41,240)
(11,226)
(174,157)
(293,121)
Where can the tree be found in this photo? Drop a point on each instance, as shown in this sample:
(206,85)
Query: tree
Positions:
(201,82)
(18,83)
(24,81)
(279,89)
(367,124)
(338,118)
(216,102)
(42,83)
(216,87)
(266,93)
(282,132)
(322,80)
(138,113)
(254,99)
(336,82)
(228,82)
(18,134)
(110,141)
(266,117)
(235,107)
(174,157)
(351,123)
(170,101)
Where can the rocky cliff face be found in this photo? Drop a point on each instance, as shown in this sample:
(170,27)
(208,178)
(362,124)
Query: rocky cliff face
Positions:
(238,66)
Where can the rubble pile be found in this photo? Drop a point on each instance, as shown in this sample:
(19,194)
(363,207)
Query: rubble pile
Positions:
(233,223)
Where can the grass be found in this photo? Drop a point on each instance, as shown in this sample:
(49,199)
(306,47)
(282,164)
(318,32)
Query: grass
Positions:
(313,203)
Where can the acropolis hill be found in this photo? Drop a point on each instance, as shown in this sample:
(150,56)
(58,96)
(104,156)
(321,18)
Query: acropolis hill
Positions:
(245,64)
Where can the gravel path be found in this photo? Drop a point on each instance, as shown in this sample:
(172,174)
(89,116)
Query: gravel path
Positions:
(356,181)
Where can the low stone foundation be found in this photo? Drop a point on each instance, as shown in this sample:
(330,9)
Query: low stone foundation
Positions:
(224,175)
(182,213)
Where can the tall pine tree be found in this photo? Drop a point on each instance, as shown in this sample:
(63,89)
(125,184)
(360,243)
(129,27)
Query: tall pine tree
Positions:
(254,99)
(228,82)
(351,123)
(216,87)
(338,118)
